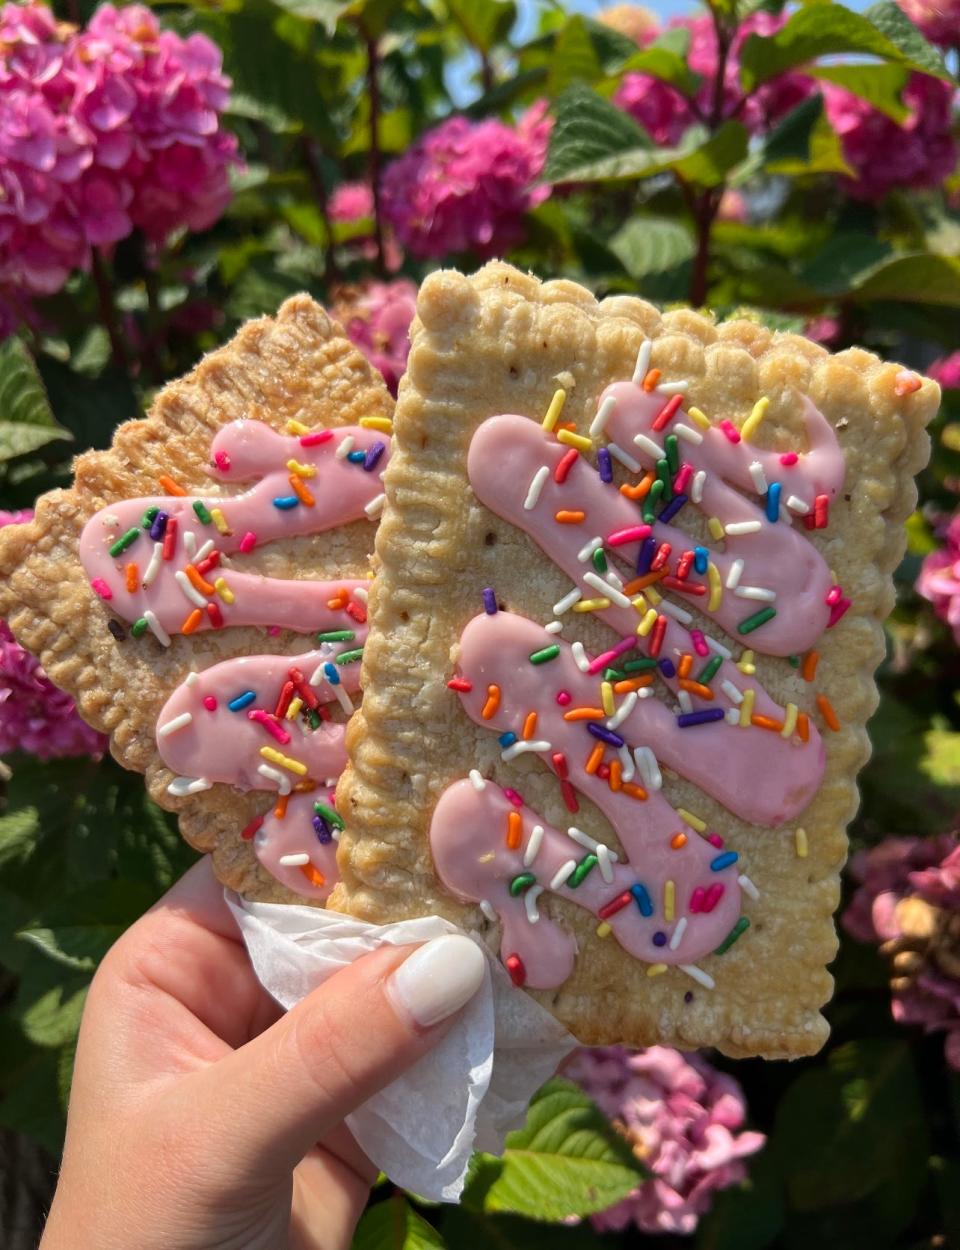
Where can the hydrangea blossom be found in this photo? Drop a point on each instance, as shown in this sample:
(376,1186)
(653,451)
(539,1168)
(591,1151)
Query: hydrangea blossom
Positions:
(939,579)
(684,1120)
(632,20)
(34,715)
(919,152)
(946,371)
(465,186)
(351,201)
(938,20)
(908,900)
(377,319)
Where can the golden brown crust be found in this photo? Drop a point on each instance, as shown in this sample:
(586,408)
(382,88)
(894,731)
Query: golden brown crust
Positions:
(496,343)
(296,365)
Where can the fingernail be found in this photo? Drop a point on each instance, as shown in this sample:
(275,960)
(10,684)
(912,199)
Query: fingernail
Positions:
(437,979)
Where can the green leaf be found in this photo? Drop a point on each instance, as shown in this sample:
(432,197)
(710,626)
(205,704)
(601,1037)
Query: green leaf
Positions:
(18,832)
(879,85)
(666,59)
(709,164)
(484,22)
(574,58)
(27,422)
(567,1160)
(326,12)
(892,22)
(844,262)
(921,278)
(590,134)
(467,1229)
(804,143)
(54,1018)
(394,1225)
(652,245)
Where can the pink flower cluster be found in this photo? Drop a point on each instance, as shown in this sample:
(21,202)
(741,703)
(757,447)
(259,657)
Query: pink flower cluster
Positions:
(684,1120)
(465,186)
(103,130)
(377,319)
(908,899)
(34,715)
(351,201)
(946,371)
(939,20)
(939,579)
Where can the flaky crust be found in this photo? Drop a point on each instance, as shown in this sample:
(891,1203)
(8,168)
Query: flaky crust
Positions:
(296,365)
(502,342)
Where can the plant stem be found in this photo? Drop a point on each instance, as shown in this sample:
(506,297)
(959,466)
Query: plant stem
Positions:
(486,72)
(330,269)
(108,312)
(373,93)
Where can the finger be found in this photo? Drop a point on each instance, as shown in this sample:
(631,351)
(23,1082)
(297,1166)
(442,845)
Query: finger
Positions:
(276,1096)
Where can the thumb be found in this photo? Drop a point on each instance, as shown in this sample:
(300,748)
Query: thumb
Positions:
(280,1093)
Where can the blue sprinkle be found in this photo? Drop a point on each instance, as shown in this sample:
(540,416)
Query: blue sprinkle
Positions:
(659,938)
(158,526)
(242,701)
(604,465)
(489,601)
(672,508)
(668,668)
(723,861)
(604,734)
(701,557)
(286,502)
(640,893)
(773,501)
(356,457)
(324,836)
(331,674)
(507,739)
(373,455)
(689,719)
(648,549)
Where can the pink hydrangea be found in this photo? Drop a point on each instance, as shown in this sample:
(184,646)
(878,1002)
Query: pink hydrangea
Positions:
(939,579)
(34,715)
(632,20)
(939,20)
(377,319)
(665,114)
(825,330)
(920,152)
(351,201)
(684,1120)
(465,186)
(946,371)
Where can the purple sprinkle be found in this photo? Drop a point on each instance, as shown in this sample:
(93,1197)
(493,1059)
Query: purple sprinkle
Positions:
(606,735)
(648,549)
(689,719)
(604,465)
(158,526)
(688,997)
(667,668)
(489,601)
(324,835)
(672,508)
(659,939)
(373,455)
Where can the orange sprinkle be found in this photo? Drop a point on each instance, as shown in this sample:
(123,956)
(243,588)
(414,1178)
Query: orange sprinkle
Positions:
(133,577)
(281,808)
(301,492)
(827,712)
(567,425)
(169,485)
(585,713)
(641,583)
(641,489)
(651,380)
(803,727)
(766,722)
(529,726)
(685,664)
(314,877)
(697,688)
(191,624)
(514,831)
(340,600)
(492,703)
(198,582)
(635,792)
(615,781)
(594,759)
(678,841)
(809,669)
(632,683)
(567,517)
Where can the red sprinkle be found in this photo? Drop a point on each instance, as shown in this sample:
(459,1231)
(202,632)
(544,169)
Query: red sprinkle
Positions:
(286,695)
(358,614)
(564,697)
(216,616)
(513,797)
(731,431)
(682,480)
(821,512)
(210,702)
(514,965)
(170,539)
(565,464)
(248,542)
(688,588)
(303,690)
(660,559)
(699,642)
(221,460)
(616,904)
(252,828)
(211,562)
(559,761)
(656,635)
(834,595)
(837,611)
(715,840)
(569,796)
(667,413)
(461,684)
(317,437)
(684,564)
(789,458)
(603,772)
(713,897)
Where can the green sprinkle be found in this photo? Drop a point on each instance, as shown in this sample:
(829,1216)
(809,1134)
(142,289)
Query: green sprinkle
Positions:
(139,628)
(742,925)
(147,519)
(664,475)
(348,657)
(673,454)
(751,623)
(202,511)
(313,718)
(125,540)
(794,660)
(548,653)
(581,872)
(651,501)
(328,814)
(613,674)
(639,665)
(599,560)
(521,883)
(337,635)
(709,670)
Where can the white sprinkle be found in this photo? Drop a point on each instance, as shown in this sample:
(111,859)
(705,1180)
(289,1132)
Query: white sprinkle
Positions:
(731,691)
(361,593)
(733,577)
(476,779)
(678,933)
(581,838)
(696,490)
(604,413)
(579,656)
(189,590)
(375,506)
(522,748)
(598,583)
(488,910)
(330,782)
(653,450)
(718,648)
(624,457)
(530,902)
(759,477)
(748,887)
(205,550)
(743,527)
(797,505)
(153,568)
(191,678)
(562,874)
(642,367)
(178,722)
(536,486)
(678,614)
(699,975)
(673,388)
(567,602)
(733,716)
(534,843)
(649,768)
(344,448)
(627,767)
(281,780)
(294,861)
(687,433)
(182,786)
(156,628)
(343,699)
(645,693)
(604,862)
(318,675)
(623,711)
(190,543)
(756,592)
(615,581)
(587,550)
(554,627)
(686,703)
(785,515)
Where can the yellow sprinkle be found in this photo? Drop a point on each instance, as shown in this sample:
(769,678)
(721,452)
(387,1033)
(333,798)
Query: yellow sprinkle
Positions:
(639,604)
(293,711)
(383,424)
(220,521)
(655,970)
(647,623)
(575,440)
(297,427)
(746,707)
(801,841)
(746,665)
(654,595)
(717,532)
(301,470)
(603,929)
(669,899)
(699,418)
(716,587)
(556,407)
(223,590)
(693,821)
(789,721)
(606,698)
(591,605)
(752,423)
(285,761)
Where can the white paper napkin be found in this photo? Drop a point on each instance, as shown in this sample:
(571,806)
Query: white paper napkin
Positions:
(466,1094)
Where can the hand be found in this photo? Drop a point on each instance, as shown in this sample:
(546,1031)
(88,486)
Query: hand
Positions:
(202,1118)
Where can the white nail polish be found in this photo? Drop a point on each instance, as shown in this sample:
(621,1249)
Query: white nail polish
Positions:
(437,979)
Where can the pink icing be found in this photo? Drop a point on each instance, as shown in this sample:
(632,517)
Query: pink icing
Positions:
(341,490)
